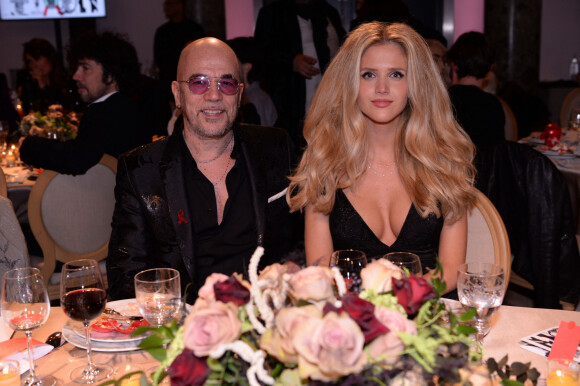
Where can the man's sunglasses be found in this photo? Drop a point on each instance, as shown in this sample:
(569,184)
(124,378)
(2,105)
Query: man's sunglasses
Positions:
(200,84)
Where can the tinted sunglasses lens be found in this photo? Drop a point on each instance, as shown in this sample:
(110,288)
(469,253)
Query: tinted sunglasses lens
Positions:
(198,85)
(228,86)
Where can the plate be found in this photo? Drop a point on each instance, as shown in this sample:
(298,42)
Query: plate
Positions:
(73,338)
(126,307)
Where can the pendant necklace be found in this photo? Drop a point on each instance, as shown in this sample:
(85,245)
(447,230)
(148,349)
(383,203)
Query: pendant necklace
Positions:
(217,156)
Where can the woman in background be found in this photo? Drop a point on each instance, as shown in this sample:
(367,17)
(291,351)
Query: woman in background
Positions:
(386,168)
(44,83)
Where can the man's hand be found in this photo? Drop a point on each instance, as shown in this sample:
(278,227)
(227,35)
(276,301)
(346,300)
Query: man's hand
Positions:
(304,65)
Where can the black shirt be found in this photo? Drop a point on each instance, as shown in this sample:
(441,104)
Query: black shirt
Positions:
(225,247)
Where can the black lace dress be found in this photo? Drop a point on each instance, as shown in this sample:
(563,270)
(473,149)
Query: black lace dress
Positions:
(418,235)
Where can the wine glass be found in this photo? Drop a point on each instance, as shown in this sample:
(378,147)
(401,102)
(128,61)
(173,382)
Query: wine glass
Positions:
(407,260)
(25,306)
(83,298)
(4,129)
(481,286)
(350,263)
(158,293)
(574,123)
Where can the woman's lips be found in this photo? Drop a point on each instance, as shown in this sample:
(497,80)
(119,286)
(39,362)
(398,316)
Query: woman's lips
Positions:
(382,102)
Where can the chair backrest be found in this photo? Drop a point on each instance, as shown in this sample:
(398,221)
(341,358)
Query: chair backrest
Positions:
(3,189)
(570,101)
(487,238)
(13,251)
(511,124)
(70,216)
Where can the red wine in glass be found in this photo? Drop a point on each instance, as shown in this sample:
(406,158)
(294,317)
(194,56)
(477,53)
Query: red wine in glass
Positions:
(84,304)
(83,298)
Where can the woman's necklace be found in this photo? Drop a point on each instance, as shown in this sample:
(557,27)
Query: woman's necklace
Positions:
(389,168)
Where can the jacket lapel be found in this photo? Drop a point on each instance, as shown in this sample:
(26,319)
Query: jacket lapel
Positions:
(171,168)
(258,182)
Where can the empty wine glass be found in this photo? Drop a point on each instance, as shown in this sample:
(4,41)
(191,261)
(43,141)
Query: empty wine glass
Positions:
(25,306)
(158,293)
(83,298)
(350,262)
(4,129)
(574,123)
(481,286)
(408,260)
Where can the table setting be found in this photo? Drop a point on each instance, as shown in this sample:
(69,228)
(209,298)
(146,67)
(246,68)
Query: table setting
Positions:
(382,321)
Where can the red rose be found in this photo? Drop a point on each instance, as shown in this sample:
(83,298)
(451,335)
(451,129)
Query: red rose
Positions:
(412,292)
(363,313)
(231,290)
(187,369)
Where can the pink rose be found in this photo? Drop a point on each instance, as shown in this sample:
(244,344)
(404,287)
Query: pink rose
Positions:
(329,348)
(390,344)
(206,291)
(313,283)
(412,292)
(271,277)
(207,328)
(378,275)
(278,342)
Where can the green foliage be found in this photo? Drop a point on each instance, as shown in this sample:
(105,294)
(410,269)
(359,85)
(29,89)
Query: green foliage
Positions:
(520,371)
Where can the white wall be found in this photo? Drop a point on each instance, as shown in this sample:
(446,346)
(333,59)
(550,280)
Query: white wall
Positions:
(560,38)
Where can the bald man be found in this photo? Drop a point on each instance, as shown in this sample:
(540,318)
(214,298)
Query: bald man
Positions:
(202,199)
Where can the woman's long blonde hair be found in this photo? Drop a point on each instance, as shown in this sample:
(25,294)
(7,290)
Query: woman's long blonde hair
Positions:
(433,153)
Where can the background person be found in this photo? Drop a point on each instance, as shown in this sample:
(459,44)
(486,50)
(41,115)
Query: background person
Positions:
(44,83)
(169,40)
(386,168)
(107,70)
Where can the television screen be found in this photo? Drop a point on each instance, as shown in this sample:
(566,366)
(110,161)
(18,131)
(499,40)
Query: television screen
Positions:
(51,9)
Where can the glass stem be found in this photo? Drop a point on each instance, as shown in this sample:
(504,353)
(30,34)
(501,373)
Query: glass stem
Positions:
(91,367)
(32,374)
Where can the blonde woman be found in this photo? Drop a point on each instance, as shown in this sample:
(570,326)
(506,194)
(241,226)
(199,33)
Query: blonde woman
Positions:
(387,168)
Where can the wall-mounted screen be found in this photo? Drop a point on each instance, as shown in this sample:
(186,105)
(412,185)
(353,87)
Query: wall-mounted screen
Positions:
(51,9)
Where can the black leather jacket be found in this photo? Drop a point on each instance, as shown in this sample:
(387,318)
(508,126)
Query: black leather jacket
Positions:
(146,231)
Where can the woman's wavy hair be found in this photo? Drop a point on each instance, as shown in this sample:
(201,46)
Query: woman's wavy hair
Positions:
(433,153)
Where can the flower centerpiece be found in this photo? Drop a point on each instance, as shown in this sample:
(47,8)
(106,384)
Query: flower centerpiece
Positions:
(57,124)
(292,326)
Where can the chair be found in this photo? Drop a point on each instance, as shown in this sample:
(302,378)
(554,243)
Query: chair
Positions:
(487,238)
(511,124)
(532,197)
(570,101)
(3,188)
(70,217)
(13,251)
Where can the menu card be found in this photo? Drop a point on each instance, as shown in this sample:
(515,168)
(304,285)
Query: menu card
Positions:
(15,349)
(541,343)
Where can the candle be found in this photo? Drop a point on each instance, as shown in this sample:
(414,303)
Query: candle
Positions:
(10,160)
(562,373)
(9,373)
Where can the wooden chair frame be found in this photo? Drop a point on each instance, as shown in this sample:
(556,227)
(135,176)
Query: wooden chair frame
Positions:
(50,249)
(571,100)
(499,236)
(3,187)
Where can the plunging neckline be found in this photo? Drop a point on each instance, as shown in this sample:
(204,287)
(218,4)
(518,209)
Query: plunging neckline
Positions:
(369,228)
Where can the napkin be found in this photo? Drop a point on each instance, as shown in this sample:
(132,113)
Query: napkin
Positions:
(5,331)
(15,349)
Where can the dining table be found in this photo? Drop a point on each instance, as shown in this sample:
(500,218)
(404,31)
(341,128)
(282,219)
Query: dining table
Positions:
(19,182)
(508,326)
(567,162)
